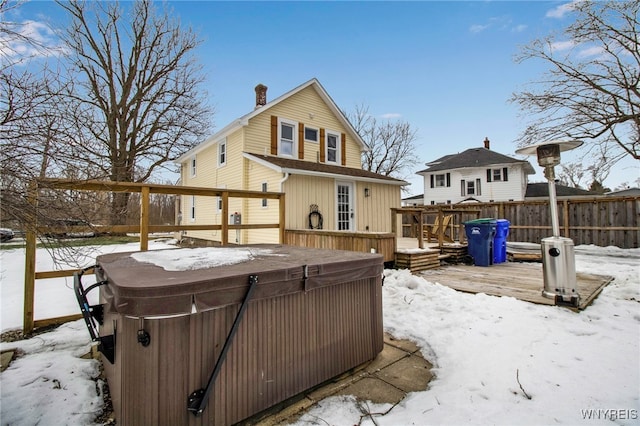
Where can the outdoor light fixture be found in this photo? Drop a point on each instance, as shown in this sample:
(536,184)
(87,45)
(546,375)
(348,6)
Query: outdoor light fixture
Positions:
(558,256)
(367,192)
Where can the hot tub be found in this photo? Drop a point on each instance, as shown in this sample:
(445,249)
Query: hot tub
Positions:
(218,344)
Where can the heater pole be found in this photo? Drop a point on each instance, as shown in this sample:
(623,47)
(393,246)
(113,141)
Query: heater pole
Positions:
(553,204)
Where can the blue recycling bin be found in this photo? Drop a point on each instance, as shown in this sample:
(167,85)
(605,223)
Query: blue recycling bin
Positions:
(480,234)
(500,241)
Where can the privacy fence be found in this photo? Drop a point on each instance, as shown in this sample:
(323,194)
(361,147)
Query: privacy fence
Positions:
(602,221)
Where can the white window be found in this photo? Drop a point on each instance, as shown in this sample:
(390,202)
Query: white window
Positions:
(222,153)
(497,175)
(287,138)
(441,181)
(311,134)
(470,187)
(193,166)
(264,189)
(333,148)
(192,209)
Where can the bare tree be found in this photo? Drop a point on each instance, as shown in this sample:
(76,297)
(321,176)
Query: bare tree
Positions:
(137,101)
(391,143)
(30,127)
(591,90)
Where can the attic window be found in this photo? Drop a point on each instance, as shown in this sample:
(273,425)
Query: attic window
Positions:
(311,134)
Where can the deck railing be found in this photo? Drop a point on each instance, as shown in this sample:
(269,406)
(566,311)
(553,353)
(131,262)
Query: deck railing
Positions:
(32,230)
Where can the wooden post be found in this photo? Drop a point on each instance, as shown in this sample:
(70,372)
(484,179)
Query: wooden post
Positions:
(440,227)
(30,257)
(282,216)
(144,218)
(224,240)
(421,229)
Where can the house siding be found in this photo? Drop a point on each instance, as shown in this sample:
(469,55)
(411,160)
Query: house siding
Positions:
(513,189)
(254,213)
(305,107)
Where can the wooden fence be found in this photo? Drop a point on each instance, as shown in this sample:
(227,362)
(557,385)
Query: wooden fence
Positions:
(144,228)
(602,221)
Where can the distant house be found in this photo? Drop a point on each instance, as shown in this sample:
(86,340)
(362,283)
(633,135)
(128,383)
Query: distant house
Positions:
(477,174)
(301,144)
(541,191)
(629,192)
(416,200)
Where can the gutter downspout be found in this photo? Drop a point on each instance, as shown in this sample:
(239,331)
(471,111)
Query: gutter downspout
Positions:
(286,176)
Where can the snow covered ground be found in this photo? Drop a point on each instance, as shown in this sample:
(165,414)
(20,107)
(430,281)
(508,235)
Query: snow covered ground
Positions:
(497,360)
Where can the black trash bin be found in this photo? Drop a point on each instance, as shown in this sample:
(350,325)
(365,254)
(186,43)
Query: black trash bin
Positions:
(480,234)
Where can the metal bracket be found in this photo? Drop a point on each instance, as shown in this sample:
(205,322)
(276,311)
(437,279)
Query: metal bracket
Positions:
(106,344)
(198,399)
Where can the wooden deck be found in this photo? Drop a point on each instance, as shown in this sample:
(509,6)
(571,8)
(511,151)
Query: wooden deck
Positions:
(500,280)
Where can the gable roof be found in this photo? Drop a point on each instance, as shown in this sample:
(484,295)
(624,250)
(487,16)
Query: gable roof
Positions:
(542,190)
(473,157)
(289,165)
(244,120)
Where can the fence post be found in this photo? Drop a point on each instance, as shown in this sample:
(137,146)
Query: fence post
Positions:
(144,218)
(30,257)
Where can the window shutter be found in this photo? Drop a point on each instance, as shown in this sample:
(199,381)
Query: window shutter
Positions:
(448,180)
(343,148)
(489,175)
(478,191)
(274,135)
(431,180)
(463,188)
(504,174)
(322,146)
(301,141)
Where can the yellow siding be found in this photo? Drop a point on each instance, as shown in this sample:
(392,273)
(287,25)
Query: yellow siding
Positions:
(209,174)
(373,213)
(305,107)
(254,213)
(303,191)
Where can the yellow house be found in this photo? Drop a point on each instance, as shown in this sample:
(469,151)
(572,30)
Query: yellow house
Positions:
(299,144)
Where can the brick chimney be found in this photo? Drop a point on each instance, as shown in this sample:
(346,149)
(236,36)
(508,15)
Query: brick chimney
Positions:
(487,143)
(261,95)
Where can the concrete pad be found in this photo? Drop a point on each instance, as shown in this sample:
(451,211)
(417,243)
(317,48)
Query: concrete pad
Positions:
(388,356)
(410,374)
(405,345)
(398,369)
(374,390)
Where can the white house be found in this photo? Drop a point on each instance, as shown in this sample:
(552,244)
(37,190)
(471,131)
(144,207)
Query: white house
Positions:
(477,174)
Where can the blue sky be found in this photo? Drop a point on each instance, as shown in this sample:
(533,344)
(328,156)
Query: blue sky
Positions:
(447,68)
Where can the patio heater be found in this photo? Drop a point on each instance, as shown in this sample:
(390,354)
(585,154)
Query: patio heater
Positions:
(558,256)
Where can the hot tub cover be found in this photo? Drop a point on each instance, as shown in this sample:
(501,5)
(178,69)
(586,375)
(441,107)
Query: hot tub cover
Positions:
(143,289)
